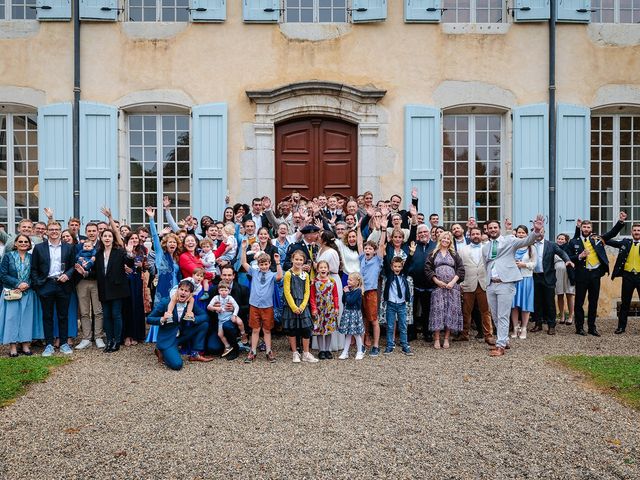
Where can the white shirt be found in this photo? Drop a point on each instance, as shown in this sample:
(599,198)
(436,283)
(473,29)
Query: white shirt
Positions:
(55,255)
(257,219)
(539,246)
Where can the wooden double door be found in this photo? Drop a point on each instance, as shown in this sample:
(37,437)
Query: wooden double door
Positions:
(316,155)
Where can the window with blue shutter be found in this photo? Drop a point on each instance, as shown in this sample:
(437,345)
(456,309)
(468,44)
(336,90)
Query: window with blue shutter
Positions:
(574,11)
(531,10)
(208,10)
(261,11)
(106,10)
(209,159)
(369,11)
(422,10)
(530,162)
(53,10)
(572,166)
(55,152)
(98,160)
(422,154)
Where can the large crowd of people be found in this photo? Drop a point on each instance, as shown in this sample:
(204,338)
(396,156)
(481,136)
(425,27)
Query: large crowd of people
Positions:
(329,273)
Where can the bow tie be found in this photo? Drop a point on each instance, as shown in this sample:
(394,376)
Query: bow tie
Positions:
(475,245)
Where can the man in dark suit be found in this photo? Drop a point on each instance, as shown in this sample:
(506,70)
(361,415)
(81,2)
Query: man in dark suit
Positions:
(52,266)
(307,246)
(591,263)
(394,205)
(240,294)
(175,329)
(627,266)
(259,218)
(544,283)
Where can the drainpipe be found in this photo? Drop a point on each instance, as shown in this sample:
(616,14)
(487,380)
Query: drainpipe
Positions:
(552,121)
(76,108)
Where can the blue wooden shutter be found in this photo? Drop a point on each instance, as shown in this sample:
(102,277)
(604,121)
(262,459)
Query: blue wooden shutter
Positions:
(422,156)
(422,11)
(572,166)
(532,10)
(369,11)
(209,159)
(261,11)
(98,160)
(53,9)
(574,11)
(55,160)
(530,162)
(208,10)
(99,10)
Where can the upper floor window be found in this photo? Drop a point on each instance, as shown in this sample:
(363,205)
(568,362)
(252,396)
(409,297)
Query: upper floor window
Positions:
(315,11)
(473,11)
(17,9)
(615,169)
(158,11)
(615,11)
(471,167)
(18,168)
(159,164)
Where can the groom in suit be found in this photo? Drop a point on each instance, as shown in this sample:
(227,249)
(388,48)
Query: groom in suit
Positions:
(52,266)
(502,273)
(474,287)
(176,328)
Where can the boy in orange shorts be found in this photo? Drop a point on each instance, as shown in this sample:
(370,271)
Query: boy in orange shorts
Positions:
(263,282)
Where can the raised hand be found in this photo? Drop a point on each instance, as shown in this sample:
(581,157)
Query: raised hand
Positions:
(622,216)
(538,223)
(413,210)
(150,211)
(412,247)
(106,211)
(166,230)
(276,257)
(266,203)
(508,224)
(318,223)
(414,192)
(166,202)
(48,212)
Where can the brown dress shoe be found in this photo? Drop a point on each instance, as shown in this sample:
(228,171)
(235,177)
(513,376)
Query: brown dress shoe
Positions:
(551,331)
(159,355)
(537,328)
(497,352)
(490,340)
(199,358)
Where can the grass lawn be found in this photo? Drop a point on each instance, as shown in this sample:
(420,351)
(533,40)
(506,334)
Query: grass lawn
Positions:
(619,376)
(17,373)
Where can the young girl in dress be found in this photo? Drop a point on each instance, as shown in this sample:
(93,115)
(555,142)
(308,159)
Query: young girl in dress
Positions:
(351,322)
(324,308)
(296,317)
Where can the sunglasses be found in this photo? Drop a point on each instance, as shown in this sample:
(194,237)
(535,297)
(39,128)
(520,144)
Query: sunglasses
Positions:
(22,241)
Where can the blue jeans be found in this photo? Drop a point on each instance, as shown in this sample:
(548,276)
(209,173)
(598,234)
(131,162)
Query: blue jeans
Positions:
(112,320)
(399,310)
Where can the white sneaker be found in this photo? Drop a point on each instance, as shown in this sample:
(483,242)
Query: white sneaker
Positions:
(359,355)
(100,343)
(523,333)
(296,357)
(343,356)
(84,344)
(309,358)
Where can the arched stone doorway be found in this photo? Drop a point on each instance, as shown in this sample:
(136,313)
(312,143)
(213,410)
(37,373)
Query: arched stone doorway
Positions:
(355,106)
(316,155)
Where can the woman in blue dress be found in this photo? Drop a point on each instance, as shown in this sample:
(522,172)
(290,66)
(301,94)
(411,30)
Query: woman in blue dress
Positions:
(72,329)
(167,256)
(523,300)
(18,317)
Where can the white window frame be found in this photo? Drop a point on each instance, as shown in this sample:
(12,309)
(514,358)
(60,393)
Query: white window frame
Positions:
(471,163)
(160,220)
(473,14)
(616,13)
(316,13)
(159,8)
(10,152)
(8,9)
(605,224)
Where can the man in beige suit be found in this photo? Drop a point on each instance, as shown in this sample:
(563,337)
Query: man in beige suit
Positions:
(474,287)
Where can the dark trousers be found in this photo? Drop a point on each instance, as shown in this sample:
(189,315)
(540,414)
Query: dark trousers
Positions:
(214,345)
(421,308)
(112,320)
(588,285)
(630,283)
(544,299)
(53,296)
(191,334)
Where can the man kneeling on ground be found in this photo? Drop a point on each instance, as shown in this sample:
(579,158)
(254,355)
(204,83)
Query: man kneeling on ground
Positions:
(175,329)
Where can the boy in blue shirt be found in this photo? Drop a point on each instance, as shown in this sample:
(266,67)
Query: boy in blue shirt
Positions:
(370,266)
(397,294)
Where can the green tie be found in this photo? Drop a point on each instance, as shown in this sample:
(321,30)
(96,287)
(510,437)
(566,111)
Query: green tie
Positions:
(494,249)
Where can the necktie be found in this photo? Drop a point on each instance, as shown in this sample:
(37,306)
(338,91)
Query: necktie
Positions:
(398,287)
(494,249)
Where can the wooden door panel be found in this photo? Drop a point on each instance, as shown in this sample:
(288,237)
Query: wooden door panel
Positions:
(316,155)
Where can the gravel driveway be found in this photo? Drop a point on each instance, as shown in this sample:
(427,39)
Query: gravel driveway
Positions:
(439,414)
